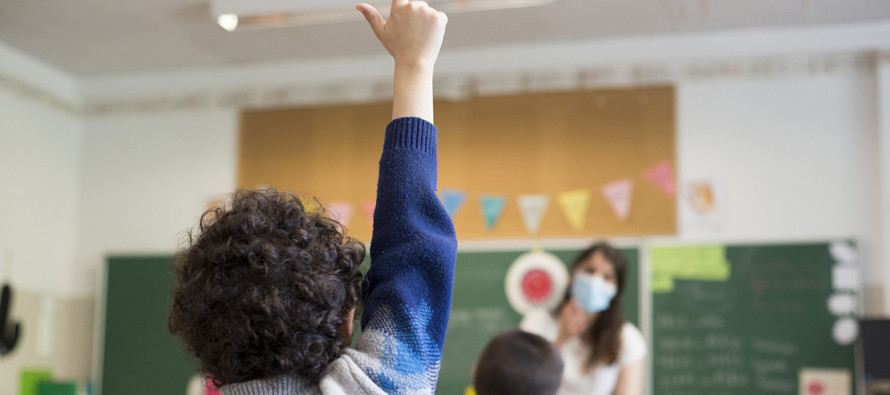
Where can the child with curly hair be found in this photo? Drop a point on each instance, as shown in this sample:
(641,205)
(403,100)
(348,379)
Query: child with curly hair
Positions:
(266,290)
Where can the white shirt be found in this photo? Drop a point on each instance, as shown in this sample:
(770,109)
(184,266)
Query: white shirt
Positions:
(600,380)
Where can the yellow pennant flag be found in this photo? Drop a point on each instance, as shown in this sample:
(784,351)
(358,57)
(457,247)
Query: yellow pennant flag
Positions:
(574,205)
(311,205)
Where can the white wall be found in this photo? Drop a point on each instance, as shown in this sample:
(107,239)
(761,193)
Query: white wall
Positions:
(797,157)
(40,169)
(148,177)
(41,146)
(884,149)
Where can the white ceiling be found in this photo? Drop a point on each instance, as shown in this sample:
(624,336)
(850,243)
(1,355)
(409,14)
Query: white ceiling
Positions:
(90,38)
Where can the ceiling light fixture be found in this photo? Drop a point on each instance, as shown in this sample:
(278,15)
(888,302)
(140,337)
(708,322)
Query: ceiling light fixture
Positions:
(238,15)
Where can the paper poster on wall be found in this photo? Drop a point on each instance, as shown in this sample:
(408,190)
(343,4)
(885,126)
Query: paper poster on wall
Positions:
(574,205)
(453,200)
(60,388)
(532,208)
(618,194)
(368,207)
(662,176)
(702,207)
(824,382)
(702,263)
(492,208)
(340,212)
(31,378)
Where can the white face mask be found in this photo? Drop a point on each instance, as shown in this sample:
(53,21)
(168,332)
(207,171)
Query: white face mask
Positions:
(593,292)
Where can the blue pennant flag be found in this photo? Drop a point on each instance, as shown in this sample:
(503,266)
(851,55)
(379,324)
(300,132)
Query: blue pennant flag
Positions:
(492,208)
(453,199)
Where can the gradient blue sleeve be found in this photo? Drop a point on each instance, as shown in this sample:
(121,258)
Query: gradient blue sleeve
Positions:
(413,250)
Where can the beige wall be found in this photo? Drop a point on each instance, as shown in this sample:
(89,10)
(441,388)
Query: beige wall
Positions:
(71,339)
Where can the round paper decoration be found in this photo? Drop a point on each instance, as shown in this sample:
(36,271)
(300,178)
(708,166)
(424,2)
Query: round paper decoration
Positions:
(535,280)
(845,331)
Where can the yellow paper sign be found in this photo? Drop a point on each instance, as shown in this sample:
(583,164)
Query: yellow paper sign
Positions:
(702,263)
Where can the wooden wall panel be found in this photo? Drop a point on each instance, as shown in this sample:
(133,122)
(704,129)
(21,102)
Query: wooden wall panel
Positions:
(508,145)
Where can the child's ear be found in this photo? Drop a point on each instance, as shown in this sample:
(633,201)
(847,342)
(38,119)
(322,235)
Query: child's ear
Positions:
(347,329)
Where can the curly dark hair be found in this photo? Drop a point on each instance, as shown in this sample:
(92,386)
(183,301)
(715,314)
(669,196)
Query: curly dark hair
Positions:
(264,288)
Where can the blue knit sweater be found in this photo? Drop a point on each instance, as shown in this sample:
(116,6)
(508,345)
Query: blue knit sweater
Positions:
(408,288)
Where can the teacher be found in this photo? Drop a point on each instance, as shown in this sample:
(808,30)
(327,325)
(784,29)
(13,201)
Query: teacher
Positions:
(602,353)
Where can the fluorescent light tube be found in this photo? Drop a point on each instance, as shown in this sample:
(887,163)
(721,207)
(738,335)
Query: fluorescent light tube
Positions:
(238,15)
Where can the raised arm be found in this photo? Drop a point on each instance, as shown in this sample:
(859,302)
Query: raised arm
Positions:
(407,295)
(413,36)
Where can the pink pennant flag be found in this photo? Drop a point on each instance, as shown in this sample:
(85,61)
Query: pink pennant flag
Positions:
(619,194)
(662,176)
(369,207)
(340,212)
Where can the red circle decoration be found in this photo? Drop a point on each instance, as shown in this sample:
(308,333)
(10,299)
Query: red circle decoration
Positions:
(535,280)
(537,286)
(816,388)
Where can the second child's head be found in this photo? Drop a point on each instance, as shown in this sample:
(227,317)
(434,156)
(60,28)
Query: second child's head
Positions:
(518,363)
(266,288)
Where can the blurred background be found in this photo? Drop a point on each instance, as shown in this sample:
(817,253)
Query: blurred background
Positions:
(743,124)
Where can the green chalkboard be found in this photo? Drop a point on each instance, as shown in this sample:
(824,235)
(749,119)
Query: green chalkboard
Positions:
(480,309)
(139,348)
(140,355)
(754,330)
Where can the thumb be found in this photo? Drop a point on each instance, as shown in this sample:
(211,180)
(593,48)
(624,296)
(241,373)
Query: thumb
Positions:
(373,16)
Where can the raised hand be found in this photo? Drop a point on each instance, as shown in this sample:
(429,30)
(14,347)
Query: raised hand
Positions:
(572,321)
(413,36)
(413,33)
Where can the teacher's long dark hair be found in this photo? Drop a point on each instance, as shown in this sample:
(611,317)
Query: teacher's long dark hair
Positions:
(604,336)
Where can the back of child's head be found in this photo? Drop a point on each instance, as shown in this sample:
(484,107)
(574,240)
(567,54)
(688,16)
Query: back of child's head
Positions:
(264,287)
(518,363)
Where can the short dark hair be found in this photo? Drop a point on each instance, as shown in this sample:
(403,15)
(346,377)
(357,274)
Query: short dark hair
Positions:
(518,363)
(264,287)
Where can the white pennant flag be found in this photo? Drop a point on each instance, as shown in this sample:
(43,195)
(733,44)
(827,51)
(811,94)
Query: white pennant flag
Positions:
(533,208)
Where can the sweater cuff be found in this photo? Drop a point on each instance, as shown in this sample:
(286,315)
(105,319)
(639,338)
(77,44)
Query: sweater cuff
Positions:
(411,133)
